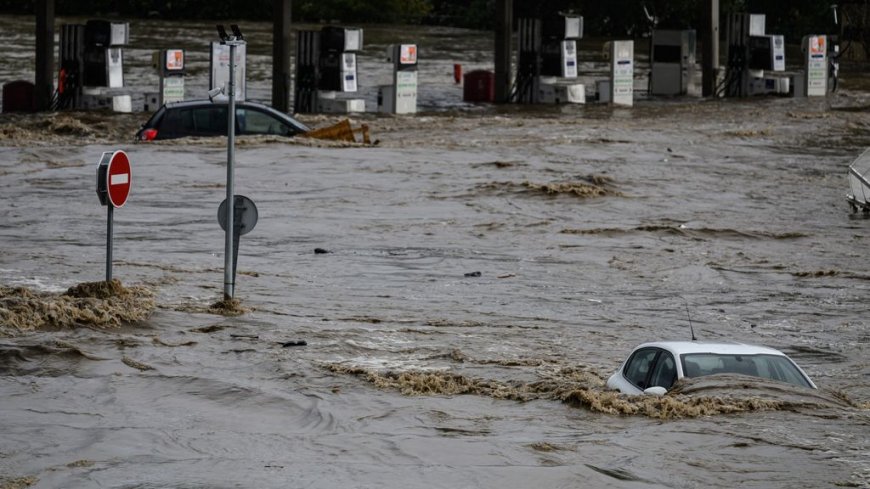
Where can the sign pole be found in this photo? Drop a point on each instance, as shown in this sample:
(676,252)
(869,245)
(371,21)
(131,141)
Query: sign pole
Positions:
(114,178)
(109,243)
(237,39)
(231,156)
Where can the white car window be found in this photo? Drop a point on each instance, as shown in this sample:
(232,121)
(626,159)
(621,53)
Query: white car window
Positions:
(772,367)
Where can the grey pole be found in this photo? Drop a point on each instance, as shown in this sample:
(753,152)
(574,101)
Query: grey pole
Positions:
(503,30)
(109,243)
(281,35)
(44,86)
(710,59)
(231,156)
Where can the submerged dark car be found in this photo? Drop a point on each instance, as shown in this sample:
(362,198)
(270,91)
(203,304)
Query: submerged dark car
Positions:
(205,118)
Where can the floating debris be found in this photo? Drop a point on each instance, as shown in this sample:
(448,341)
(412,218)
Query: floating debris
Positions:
(585,389)
(52,128)
(223,307)
(586,187)
(750,133)
(209,329)
(136,364)
(228,307)
(417,383)
(817,273)
(547,447)
(157,341)
(340,131)
(81,463)
(95,304)
(18,482)
(580,189)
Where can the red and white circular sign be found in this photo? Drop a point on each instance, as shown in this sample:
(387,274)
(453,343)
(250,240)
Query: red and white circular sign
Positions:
(118,178)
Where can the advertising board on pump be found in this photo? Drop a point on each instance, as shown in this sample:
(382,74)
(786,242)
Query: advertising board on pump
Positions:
(408,54)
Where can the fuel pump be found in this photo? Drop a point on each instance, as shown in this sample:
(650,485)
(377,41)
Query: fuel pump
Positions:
(401,96)
(170,68)
(528,61)
(751,54)
(559,45)
(307,72)
(547,61)
(622,73)
(92,64)
(338,69)
(69,79)
(815,54)
(103,54)
(672,61)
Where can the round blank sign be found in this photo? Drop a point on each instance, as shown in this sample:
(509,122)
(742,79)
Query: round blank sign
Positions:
(244,212)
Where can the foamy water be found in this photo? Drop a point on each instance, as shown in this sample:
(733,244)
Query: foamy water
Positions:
(590,227)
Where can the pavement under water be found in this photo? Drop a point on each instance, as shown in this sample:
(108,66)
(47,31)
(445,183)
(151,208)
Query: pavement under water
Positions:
(442,309)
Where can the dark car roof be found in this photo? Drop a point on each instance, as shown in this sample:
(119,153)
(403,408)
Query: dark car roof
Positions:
(201,102)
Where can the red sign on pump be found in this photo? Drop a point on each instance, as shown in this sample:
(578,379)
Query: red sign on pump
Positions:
(118,178)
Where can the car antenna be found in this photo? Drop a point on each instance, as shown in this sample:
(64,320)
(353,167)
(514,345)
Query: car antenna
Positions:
(691,328)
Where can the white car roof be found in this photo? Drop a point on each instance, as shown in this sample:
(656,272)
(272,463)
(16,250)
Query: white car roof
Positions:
(683,347)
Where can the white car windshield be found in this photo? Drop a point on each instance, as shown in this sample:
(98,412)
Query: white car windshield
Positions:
(772,367)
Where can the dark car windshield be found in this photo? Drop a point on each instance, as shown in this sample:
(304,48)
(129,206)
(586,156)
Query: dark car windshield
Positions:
(772,367)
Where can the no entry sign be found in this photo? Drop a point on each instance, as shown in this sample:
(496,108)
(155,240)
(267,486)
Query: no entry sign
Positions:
(115,183)
(113,186)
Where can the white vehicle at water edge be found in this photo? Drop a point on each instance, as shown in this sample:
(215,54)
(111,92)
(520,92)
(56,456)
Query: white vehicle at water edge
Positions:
(653,368)
(859,183)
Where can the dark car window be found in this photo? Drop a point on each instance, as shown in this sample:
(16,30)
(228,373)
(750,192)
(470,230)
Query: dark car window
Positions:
(665,371)
(637,368)
(210,120)
(252,121)
(177,122)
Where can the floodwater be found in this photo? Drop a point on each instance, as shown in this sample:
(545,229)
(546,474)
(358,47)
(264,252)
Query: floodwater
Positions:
(480,273)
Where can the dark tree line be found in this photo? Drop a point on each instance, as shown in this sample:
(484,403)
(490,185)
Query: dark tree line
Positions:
(792,18)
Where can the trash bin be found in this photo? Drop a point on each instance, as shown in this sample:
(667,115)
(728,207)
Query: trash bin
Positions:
(18,96)
(479,86)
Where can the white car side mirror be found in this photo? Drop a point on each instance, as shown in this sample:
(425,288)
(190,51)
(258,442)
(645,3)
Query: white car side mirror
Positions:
(218,94)
(655,391)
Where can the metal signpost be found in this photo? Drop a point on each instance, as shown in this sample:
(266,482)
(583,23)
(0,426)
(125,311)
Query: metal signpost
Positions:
(114,180)
(233,41)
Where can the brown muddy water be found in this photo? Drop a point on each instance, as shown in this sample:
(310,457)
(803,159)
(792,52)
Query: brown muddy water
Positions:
(480,273)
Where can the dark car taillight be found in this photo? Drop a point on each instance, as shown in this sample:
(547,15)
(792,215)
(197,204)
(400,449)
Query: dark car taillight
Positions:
(149,134)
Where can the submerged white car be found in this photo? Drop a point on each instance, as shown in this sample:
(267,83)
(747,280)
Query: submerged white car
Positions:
(653,368)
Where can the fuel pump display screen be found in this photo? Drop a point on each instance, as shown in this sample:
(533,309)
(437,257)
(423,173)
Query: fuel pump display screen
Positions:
(760,53)
(408,54)
(174,60)
(664,53)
